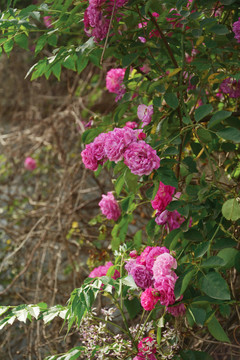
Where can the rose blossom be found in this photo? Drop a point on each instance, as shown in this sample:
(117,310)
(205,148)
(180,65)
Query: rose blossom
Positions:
(133,254)
(97,17)
(163,265)
(163,197)
(88,157)
(171,219)
(236,30)
(142,136)
(117,141)
(30,164)
(142,258)
(131,124)
(141,158)
(231,87)
(94,153)
(102,271)
(178,310)
(153,254)
(145,113)
(47,22)
(149,298)
(141,276)
(130,264)
(114,82)
(109,207)
(165,286)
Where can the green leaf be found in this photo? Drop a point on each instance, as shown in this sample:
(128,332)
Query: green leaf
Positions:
(218,117)
(22,41)
(217,331)
(137,240)
(172,237)
(52,40)
(69,63)
(119,184)
(193,235)
(41,68)
(213,261)
(40,43)
(215,286)
(179,205)
(194,355)
(198,314)
(125,203)
(171,99)
(131,181)
(203,111)
(81,63)
(201,249)
(22,315)
(3,309)
(228,255)
(230,133)
(231,210)
(227,2)
(128,280)
(182,282)
(167,176)
(150,228)
(204,135)
(7,46)
(219,29)
(89,135)
(133,307)
(56,69)
(129,59)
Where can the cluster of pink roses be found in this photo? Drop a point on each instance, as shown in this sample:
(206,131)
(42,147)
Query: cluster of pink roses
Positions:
(153,272)
(97,17)
(109,207)
(146,349)
(170,219)
(119,144)
(102,271)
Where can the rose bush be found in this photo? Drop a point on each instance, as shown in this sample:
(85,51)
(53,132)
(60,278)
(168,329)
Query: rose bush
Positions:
(174,194)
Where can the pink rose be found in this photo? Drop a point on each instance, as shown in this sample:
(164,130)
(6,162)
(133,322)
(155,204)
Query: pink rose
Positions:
(163,197)
(102,271)
(117,141)
(114,82)
(163,265)
(145,113)
(149,298)
(141,158)
(109,207)
(153,254)
(30,164)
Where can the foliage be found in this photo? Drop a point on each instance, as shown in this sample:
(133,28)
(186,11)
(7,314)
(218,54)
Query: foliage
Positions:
(189,51)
